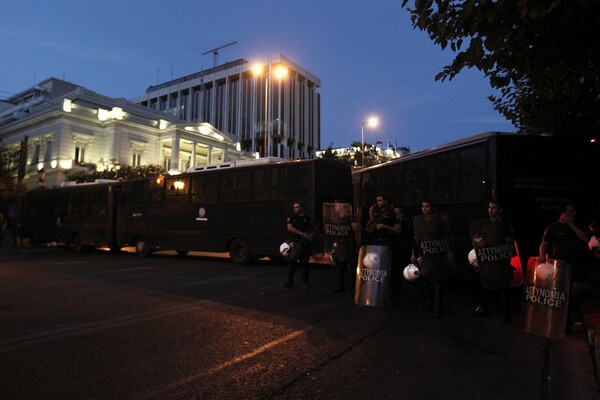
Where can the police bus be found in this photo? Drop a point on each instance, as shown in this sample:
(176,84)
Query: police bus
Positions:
(238,207)
(528,175)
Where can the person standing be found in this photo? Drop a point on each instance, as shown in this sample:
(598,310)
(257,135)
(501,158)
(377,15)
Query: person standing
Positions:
(298,225)
(383,224)
(496,236)
(381,232)
(338,231)
(433,255)
(564,240)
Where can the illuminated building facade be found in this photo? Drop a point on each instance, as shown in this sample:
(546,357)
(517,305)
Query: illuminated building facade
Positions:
(274,107)
(69,128)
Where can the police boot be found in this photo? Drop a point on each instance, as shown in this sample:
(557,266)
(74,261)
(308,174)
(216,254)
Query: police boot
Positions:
(438,309)
(506,318)
(428,306)
(342,278)
(482,309)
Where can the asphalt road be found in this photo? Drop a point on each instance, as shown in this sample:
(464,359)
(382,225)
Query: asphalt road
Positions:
(117,326)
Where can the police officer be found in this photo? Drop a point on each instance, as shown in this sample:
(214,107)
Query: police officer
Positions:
(383,224)
(433,261)
(495,276)
(298,225)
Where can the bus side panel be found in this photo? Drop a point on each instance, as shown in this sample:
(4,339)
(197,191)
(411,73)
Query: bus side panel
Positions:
(61,214)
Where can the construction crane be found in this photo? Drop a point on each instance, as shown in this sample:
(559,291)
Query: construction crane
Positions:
(215,52)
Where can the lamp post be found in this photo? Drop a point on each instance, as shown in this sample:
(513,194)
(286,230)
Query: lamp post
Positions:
(371,123)
(280,72)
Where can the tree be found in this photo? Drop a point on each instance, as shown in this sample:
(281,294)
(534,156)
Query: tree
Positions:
(543,57)
(354,159)
(7,172)
(124,172)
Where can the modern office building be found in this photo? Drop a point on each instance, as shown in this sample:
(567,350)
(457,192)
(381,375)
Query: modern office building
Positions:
(272,105)
(69,128)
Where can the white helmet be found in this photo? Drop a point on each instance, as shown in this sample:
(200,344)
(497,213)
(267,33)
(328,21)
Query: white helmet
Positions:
(544,272)
(473,259)
(284,249)
(371,260)
(411,272)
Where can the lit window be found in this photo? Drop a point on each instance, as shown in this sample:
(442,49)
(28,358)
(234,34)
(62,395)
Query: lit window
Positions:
(137,158)
(79,154)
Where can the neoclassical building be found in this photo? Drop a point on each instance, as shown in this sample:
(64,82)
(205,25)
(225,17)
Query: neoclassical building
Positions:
(271,104)
(67,127)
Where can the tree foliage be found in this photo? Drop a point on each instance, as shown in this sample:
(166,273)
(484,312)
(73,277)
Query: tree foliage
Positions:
(542,56)
(7,173)
(355,159)
(124,172)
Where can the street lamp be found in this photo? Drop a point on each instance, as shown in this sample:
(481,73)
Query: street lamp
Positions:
(279,72)
(371,123)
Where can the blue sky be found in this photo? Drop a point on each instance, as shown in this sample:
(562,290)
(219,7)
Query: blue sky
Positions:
(367,55)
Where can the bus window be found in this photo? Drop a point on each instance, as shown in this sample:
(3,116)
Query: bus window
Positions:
(211,188)
(99,206)
(471,172)
(443,181)
(76,204)
(262,181)
(243,186)
(280,189)
(177,190)
(205,188)
(227,187)
(134,194)
(300,181)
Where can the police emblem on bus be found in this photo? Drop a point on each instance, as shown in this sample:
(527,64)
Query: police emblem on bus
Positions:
(201,214)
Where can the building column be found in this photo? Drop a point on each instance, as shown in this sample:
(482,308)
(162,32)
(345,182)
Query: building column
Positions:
(193,161)
(188,116)
(178,105)
(175,153)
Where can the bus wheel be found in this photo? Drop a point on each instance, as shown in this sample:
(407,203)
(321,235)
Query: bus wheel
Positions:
(142,248)
(239,251)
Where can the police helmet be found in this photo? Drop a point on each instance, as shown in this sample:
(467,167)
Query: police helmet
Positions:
(411,272)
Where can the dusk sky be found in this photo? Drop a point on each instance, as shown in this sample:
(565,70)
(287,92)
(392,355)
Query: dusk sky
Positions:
(369,58)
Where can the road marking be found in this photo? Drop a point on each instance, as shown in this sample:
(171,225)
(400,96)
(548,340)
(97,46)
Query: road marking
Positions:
(191,378)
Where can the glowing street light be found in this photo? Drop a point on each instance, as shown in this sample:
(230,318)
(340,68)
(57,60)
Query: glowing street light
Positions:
(371,123)
(279,72)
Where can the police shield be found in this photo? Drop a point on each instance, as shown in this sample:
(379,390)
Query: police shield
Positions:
(435,256)
(337,229)
(372,276)
(546,298)
(494,253)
